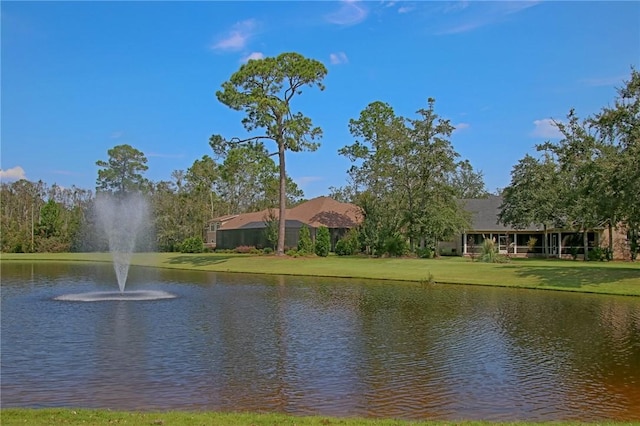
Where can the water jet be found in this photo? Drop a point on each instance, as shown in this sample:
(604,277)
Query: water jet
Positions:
(121,218)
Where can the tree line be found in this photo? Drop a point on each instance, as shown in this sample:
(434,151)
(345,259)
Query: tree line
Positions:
(36,217)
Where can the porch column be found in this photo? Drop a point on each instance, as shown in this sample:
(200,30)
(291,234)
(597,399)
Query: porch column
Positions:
(559,245)
(515,244)
(464,243)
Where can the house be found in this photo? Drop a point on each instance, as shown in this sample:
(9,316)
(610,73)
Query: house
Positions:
(524,242)
(250,229)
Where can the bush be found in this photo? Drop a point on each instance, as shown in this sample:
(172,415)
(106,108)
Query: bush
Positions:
(349,244)
(52,245)
(246,250)
(293,253)
(425,253)
(488,251)
(598,254)
(343,248)
(323,241)
(192,245)
(395,245)
(267,250)
(305,245)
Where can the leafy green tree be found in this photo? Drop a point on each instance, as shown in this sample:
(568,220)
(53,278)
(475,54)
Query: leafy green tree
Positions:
(201,180)
(534,196)
(468,183)
(122,172)
(168,202)
(264,90)
(271,228)
(323,241)
(50,221)
(249,180)
(619,127)
(577,154)
(405,167)
(305,243)
(21,202)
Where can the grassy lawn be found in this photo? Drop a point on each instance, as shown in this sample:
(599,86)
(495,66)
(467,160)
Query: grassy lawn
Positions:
(621,278)
(56,416)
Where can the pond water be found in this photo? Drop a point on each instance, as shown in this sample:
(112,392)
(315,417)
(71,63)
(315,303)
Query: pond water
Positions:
(304,346)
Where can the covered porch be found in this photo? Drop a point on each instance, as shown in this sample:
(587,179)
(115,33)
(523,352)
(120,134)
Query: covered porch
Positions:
(528,243)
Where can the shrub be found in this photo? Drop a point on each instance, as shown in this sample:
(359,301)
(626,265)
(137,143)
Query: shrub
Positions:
(429,280)
(192,245)
(305,245)
(425,252)
(323,241)
(531,244)
(267,250)
(52,245)
(343,248)
(574,252)
(597,254)
(292,253)
(349,244)
(395,245)
(245,249)
(488,251)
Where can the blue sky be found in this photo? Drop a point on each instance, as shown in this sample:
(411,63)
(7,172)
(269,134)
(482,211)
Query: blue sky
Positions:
(81,77)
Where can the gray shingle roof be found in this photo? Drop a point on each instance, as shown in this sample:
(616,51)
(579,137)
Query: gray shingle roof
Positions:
(484,213)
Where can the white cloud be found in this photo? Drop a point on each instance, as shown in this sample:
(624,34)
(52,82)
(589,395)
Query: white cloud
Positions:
(238,36)
(349,13)
(252,55)
(461,126)
(406,9)
(546,128)
(338,58)
(482,14)
(14,173)
(117,135)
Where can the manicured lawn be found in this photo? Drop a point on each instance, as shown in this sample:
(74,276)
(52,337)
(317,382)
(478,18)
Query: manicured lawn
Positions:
(54,416)
(622,278)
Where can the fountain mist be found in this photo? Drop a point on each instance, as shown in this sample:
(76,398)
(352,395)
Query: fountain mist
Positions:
(122,218)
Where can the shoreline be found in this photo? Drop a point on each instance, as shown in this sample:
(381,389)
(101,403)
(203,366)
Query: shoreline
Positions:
(610,278)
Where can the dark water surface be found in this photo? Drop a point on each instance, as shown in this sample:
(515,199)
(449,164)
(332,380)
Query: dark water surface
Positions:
(303,346)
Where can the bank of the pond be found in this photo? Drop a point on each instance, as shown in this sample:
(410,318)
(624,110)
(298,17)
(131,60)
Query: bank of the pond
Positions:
(617,278)
(11,417)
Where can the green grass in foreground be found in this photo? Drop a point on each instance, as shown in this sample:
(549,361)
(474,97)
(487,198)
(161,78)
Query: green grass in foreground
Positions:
(55,416)
(622,278)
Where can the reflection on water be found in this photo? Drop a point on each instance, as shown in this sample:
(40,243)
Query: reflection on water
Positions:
(316,346)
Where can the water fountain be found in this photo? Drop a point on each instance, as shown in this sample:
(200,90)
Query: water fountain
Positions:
(122,219)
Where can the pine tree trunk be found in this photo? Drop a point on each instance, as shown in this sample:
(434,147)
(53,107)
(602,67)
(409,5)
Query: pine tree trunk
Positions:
(282,220)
